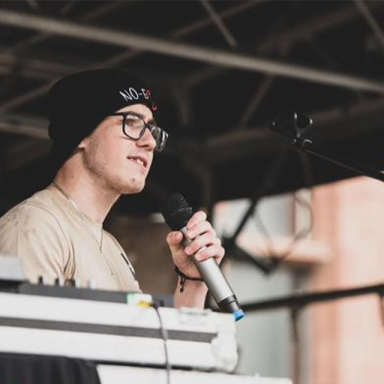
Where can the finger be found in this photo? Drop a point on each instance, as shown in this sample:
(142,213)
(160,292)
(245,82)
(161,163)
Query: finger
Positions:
(174,238)
(200,228)
(197,217)
(200,242)
(215,251)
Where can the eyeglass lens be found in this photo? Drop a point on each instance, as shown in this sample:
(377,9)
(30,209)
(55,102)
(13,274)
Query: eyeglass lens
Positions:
(135,127)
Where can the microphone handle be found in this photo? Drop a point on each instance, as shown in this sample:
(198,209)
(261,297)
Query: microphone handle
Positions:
(213,277)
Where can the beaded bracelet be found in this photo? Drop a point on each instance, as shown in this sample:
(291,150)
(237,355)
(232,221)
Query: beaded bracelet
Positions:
(184,278)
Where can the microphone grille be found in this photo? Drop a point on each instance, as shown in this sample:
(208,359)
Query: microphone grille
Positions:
(176,211)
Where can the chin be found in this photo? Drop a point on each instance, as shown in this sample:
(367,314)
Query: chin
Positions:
(131,191)
(132,187)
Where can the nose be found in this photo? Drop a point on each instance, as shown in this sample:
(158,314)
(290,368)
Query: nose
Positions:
(147,141)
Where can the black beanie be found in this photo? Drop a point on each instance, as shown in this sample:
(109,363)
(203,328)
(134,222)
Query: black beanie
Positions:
(79,102)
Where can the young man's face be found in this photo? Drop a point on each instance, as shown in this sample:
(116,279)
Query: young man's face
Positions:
(119,163)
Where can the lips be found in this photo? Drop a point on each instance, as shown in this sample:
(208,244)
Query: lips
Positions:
(141,160)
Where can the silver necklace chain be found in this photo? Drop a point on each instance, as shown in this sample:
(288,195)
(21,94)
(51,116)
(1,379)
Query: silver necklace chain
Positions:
(84,221)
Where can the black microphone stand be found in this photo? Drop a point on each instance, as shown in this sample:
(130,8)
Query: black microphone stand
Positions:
(294,127)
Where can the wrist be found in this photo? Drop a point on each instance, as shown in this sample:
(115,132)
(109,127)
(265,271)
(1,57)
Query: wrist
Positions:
(182,275)
(191,285)
(183,278)
(194,295)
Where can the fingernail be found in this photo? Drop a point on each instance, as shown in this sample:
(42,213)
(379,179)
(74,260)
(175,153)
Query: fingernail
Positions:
(191,234)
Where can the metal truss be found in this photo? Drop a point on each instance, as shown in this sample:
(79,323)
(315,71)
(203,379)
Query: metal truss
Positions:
(186,51)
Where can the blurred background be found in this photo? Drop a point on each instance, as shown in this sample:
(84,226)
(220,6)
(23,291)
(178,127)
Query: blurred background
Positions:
(222,71)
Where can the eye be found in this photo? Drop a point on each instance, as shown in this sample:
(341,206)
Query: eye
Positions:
(132,121)
(129,121)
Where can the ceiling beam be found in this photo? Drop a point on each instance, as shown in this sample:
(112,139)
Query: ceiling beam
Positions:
(192,52)
(36,67)
(226,14)
(372,22)
(289,36)
(319,24)
(24,125)
(93,15)
(220,24)
(114,60)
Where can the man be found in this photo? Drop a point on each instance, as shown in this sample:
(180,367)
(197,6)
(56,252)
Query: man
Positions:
(104,137)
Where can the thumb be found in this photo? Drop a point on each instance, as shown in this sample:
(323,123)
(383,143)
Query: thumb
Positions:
(174,239)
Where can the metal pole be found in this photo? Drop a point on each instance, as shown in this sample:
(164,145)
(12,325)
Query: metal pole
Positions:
(122,57)
(227,34)
(24,126)
(296,355)
(302,300)
(319,24)
(163,46)
(289,36)
(30,42)
(364,10)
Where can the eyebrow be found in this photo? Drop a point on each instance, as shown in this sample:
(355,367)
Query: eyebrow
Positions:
(152,121)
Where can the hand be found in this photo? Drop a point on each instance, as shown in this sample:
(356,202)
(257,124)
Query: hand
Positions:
(203,235)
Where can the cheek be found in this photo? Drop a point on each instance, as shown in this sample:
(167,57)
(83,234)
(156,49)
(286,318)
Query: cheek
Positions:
(114,153)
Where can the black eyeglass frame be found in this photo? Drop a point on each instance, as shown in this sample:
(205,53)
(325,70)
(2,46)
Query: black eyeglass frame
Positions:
(161,139)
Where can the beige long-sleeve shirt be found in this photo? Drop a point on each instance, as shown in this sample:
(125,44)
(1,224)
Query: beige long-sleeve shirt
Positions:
(51,239)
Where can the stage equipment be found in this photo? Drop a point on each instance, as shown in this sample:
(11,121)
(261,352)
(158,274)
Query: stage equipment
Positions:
(123,334)
(114,374)
(115,332)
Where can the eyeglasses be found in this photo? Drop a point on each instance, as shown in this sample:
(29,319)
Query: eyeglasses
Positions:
(134,127)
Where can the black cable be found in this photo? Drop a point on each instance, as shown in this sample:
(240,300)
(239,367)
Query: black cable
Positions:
(164,335)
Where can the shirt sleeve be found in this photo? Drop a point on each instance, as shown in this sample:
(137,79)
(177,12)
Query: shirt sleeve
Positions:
(35,235)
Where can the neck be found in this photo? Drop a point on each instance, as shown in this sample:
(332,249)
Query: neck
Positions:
(92,198)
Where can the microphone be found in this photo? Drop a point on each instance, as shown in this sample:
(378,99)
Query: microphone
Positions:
(177,213)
